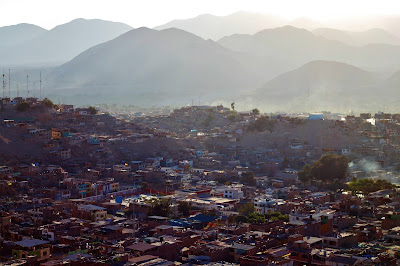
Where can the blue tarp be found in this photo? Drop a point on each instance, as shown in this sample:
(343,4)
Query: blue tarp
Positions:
(202,218)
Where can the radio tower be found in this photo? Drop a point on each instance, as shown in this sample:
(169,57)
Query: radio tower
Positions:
(4,84)
(9,84)
(27,87)
(40,94)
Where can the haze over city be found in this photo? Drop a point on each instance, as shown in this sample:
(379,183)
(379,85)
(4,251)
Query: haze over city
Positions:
(221,133)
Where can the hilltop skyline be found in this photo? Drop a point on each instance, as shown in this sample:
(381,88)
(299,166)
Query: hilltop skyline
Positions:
(154,12)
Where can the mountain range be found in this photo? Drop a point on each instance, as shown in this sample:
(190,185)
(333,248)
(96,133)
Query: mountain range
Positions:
(286,67)
(299,46)
(322,85)
(358,38)
(31,45)
(170,65)
(17,34)
(216,27)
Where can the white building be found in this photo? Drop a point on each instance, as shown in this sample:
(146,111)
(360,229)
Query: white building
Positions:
(265,205)
(233,192)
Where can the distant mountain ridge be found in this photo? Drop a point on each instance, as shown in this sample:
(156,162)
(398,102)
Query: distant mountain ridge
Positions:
(168,65)
(16,34)
(61,43)
(324,85)
(299,46)
(215,27)
(358,38)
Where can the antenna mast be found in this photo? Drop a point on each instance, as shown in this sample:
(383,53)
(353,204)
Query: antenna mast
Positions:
(9,83)
(40,95)
(17,90)
(4,84)
(27,86)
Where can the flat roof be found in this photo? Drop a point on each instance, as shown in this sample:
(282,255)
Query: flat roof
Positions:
(28,243)
(141,246)
(242,246)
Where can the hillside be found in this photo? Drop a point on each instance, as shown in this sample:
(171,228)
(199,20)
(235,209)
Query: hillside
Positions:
(62,43)
(358,38)
(321,85)
(16,34)
(169,66)
(215,27)
(299,46)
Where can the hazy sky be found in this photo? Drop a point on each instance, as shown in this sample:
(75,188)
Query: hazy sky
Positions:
(150,13)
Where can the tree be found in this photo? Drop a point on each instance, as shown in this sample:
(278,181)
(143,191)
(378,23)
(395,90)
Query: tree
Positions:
(285,162)
(48,103)
(367,185)
(144,186)
(221,180)
(248,179)
(160,207)
(232,117)
(241,219)
(246,209)
(277,216)
(304,175)
(262,124)
(208,120)
(184,208)
(231,219)
(92,110)
(256,218)
(23,106)
(330,168)
(255,111)
(233,106)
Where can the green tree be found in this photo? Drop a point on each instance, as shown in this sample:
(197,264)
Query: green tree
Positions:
(241,219)
(48,103)
(330,167)
(256,218)
(92,110)
(221,180)
(233,106)
(285,162)
(208,120)
(23,106)
(184,208)
(367,185)
(248,178)
(255,111)
(262,124)
(160,207)
(144,185)
(276,216)
(246,209)
(231,117)
(304,175)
